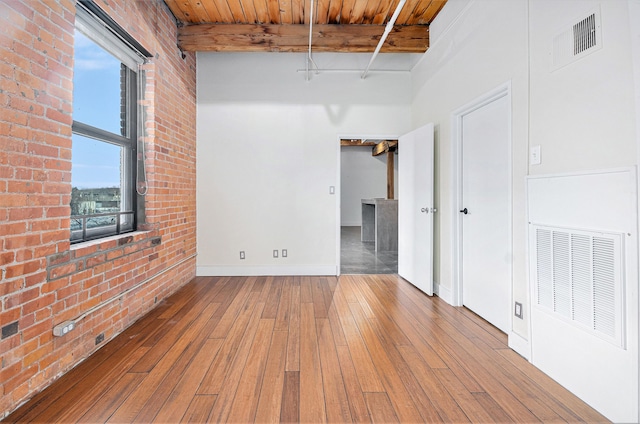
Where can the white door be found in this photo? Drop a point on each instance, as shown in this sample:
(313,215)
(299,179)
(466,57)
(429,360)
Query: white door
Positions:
(415,208)
(486,212)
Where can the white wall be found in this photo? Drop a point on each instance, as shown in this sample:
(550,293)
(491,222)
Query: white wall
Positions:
(268,152)
(479,46)
(584,116)
(362,176)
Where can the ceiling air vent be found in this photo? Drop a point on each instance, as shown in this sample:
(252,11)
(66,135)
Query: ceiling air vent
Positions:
(580,39)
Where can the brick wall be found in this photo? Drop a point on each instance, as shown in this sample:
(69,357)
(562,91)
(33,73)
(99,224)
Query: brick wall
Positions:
(43,280)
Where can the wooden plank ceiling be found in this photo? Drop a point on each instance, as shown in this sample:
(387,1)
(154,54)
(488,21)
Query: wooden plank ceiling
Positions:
(283,25)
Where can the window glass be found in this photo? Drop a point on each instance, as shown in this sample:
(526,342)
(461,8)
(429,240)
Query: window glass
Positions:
(105,123)
(97,186)
(96,86)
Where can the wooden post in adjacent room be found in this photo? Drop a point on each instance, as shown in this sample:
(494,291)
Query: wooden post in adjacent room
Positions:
(390,179)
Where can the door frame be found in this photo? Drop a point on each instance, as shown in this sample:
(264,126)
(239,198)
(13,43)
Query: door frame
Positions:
(338,186)
(457,116)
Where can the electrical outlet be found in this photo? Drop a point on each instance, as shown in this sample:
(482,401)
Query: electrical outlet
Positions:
(242,254)
(99,338)
(63,328)
(275,253)
(332,190)
(284,253)
(518,310)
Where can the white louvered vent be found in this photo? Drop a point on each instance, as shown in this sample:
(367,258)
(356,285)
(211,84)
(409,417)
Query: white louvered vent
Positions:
(578,40)
(579,278)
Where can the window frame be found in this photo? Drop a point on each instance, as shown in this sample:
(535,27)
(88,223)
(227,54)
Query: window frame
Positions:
(96,25)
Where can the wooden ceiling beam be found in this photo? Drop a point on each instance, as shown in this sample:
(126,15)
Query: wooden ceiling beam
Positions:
(357,142)
(295,38)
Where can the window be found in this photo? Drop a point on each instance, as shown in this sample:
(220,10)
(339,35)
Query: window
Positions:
(106,123)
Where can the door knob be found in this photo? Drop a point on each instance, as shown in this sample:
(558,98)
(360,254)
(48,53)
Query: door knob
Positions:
(425,210)
(464,211)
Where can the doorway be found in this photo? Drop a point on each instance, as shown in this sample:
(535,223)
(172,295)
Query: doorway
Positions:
(364,174)
(483,212)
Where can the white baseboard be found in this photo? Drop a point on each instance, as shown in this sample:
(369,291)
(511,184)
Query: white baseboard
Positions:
(443,293)
(238,271)
(520,345)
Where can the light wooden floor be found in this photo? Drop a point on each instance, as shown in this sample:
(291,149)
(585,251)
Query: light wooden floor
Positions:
(311,349)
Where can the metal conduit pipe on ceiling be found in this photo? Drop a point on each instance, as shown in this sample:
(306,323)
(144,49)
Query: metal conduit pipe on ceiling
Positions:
(387,30)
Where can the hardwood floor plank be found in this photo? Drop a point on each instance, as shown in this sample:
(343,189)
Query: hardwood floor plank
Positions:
(336,326)
(422,398)
(383,308)
(312,409)
(270,400)
(199,409)
(284,306)
(234,308)
(380,408)
(86,373)
(355,396)
(400,398)
(290,411)
(90,390)
(412,331)
(465,399)
(497,414)
(131,407)
(174,327)
(178,401)
(214,377)
(293,341)
(335,395)
(222,407)
(161,393)
(426,327)
(357,348)
(521,381)
(305,290)
(447,408)
(482,371)
(245,401)
(273,299)
(317,294)
(186,294)
(366,371)
(157,351)
(111,399)
(488,358)
(550,386)
(347,284)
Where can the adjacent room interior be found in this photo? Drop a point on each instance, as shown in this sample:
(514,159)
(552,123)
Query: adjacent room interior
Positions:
(320,210)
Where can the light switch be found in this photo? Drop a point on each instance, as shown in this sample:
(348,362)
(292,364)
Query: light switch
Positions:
(534,156)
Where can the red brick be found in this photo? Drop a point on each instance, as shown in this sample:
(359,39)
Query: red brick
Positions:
(38,303)
(59,258)
(6,257)
(95,260)
(23,255)
(43,150)
(22,214)
(23,240)
(25,187)
(62,270)
(35,279)
(84,250)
